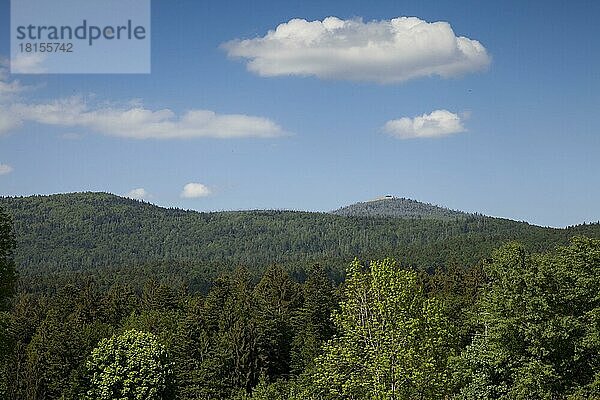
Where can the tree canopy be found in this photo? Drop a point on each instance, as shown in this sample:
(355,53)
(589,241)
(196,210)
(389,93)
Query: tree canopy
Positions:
(132,366)
(392,341)
(521,321)
(540,325)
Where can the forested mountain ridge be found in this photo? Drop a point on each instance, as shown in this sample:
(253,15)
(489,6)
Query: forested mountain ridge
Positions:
(87,231)
(83,231)
(390,206)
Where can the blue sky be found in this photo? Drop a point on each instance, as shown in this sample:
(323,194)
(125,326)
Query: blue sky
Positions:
(525,147)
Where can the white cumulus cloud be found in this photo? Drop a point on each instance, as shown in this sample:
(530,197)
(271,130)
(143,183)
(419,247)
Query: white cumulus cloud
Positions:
(138,194)
(436,124)
(137,122)
(194,190)
(386,51)
(5,169)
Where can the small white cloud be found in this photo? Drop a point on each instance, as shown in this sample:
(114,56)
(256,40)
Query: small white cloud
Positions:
(386,51)
(5,169)
(138,194)
(194,190)
(439,123)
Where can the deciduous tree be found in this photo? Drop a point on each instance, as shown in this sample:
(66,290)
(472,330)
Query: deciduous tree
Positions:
(393,342)
(132,366)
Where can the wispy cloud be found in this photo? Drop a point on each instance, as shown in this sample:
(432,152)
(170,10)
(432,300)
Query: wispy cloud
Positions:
(8,121)
(130,119)
(386,51)
(438,123)
(194,190)
(9,88)
(5,169)
(28,63)
(138,122)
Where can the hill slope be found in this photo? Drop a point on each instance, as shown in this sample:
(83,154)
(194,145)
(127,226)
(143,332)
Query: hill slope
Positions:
(390,206)
(89,231)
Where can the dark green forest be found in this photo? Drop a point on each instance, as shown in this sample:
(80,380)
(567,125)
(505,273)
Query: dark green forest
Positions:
(103,297)
(64,238)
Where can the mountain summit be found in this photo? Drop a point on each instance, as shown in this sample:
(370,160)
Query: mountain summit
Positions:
(391,206)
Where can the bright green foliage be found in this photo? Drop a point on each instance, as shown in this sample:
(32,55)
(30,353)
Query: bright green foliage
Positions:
(133,365)
(540,319)
(393,343)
